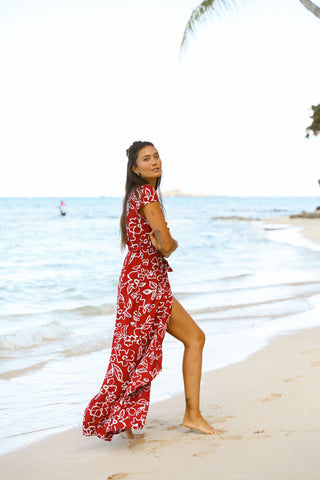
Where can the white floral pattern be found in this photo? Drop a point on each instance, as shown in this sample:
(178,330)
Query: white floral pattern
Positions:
(143,309)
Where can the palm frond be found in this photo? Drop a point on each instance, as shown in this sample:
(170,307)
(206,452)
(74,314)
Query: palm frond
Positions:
(207,7)
(312,7)
(201,14)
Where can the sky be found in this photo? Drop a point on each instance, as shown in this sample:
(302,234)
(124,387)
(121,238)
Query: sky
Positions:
(82,79)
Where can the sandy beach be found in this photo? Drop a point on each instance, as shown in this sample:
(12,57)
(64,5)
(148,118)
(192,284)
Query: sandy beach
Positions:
(266,405)
(309,227)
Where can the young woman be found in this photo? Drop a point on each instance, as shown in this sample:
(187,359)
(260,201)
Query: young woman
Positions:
(145,311)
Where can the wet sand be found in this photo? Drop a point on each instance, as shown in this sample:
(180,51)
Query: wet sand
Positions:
(309,227)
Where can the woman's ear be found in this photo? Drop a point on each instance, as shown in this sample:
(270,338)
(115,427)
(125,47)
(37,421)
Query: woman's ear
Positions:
(135,170)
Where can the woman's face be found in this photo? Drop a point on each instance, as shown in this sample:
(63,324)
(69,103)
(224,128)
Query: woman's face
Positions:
(148,164)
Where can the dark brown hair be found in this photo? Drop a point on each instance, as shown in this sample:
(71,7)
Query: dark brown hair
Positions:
(132,182)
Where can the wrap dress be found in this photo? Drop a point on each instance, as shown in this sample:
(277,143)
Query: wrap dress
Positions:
(144,306)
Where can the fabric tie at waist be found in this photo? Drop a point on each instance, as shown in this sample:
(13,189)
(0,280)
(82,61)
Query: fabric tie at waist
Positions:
(143,249)
(151,250)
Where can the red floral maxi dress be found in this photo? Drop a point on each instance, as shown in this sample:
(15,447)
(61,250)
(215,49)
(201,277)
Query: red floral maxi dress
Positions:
(143,309)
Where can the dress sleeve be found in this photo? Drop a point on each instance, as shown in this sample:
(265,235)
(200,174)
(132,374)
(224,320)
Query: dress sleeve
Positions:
(146,194)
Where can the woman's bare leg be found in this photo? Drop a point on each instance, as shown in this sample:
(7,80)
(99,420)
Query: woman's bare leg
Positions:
(183,327)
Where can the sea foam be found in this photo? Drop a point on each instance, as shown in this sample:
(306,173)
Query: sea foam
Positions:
(33,336)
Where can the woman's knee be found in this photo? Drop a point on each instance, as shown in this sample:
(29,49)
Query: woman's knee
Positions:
(197,340)
(202,339)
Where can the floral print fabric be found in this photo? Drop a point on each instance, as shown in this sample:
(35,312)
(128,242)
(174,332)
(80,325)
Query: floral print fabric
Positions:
(143,309)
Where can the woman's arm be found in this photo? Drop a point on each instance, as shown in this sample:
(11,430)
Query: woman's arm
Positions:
(160,235)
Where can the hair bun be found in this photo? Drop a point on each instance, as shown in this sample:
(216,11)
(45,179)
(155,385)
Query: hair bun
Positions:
(127,152)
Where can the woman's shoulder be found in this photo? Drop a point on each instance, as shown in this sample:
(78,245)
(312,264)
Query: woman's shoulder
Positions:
(147,193)
(141,196)
(146,188)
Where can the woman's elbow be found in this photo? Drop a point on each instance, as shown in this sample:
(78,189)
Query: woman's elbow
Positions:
(170,248)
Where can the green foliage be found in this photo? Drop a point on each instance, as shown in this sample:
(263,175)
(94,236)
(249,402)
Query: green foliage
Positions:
(202,13)
(315,125)
(207,7)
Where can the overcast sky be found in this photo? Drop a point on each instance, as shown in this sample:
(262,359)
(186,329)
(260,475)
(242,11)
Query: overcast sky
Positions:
(80,80)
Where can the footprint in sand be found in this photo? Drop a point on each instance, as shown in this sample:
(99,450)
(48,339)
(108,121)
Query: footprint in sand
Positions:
(261,434)
(314,364)
(117,476)
(221,419)
(154,451)
(137,442)
(287,433)
(293,379)
(210,451)
(273,396)
(232,437)
(174,427)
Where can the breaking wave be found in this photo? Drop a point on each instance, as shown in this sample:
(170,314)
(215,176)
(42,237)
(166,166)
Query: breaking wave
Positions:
(33,336)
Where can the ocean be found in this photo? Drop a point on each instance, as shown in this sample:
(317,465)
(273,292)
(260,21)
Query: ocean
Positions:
(243,281)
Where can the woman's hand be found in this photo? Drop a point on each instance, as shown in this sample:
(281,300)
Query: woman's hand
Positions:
(155,236)
(158,242)
(160,235)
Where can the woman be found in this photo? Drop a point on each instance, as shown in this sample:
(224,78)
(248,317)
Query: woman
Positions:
(145,311)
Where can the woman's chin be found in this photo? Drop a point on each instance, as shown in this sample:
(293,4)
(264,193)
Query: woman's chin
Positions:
(152,178)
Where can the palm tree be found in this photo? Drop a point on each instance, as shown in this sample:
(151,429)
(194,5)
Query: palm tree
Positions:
(210,6)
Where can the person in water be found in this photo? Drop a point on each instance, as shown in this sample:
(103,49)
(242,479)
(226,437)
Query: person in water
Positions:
(146,310)
(62,208)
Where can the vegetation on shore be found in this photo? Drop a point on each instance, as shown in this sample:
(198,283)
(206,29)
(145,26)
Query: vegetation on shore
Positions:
(315,125)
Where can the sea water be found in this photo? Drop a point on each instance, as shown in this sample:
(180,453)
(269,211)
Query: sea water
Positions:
(243,281)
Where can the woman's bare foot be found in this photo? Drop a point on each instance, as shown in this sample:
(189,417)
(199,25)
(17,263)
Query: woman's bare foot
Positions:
(198,423)
(128,434)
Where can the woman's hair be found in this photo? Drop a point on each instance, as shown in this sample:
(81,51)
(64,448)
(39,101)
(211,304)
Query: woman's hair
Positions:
(132,182)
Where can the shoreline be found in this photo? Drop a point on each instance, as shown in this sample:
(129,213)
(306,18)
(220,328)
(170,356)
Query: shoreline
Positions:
(308,227)
(267,406)
(304,229)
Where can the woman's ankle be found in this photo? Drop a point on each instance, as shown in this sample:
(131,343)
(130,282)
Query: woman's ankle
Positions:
(192,411)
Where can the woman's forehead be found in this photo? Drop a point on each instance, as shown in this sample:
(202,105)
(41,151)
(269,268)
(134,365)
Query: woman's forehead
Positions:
(148,150)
